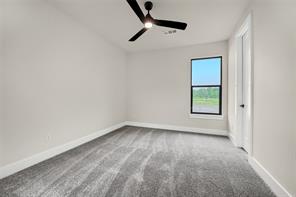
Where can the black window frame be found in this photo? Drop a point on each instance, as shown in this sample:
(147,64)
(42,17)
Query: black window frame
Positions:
(206,86)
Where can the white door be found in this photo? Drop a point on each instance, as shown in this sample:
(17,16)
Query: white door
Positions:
(246,90)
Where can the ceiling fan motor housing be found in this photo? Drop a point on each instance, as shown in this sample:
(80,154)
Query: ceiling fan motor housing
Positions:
(148,5)
(149,21)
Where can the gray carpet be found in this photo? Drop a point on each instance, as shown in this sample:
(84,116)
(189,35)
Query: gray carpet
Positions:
(135,161)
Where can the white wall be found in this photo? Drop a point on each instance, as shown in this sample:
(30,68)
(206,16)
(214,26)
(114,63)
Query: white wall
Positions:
(274,91)
(1,79)
(274,140)
(159,86)
(61,80)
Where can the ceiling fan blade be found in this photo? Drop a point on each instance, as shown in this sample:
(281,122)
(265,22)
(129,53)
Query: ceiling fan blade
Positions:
(135,37)
(135,6)
(171,24)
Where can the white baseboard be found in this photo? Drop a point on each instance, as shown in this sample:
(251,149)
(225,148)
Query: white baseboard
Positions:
(10,169)
(232,139)
(30,161)
(37,158)
(274,185)
(179,128)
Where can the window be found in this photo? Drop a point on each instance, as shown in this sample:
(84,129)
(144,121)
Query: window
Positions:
(206,86)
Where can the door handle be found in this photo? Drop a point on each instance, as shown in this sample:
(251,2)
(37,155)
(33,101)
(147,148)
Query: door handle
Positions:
(242,105)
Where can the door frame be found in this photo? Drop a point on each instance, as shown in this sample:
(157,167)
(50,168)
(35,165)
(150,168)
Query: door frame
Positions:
(246,26)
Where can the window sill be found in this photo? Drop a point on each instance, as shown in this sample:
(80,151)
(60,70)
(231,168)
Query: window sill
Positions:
(208,117)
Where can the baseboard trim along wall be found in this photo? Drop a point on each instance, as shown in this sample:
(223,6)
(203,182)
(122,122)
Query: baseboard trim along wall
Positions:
(30,161)
(232,139)
(179,128)
(10,169)
(37,158)
(274,185)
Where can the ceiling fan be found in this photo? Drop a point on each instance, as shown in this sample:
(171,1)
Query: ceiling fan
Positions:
(148,21)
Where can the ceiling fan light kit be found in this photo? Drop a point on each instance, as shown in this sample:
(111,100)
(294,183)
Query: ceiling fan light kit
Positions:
(148,21)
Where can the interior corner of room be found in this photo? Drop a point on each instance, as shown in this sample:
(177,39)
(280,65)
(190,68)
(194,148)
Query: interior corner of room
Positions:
(70,78)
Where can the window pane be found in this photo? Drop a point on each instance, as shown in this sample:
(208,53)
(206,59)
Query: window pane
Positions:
(206,100)
(206,71)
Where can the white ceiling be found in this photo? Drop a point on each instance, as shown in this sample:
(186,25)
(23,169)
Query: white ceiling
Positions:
(208,20)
